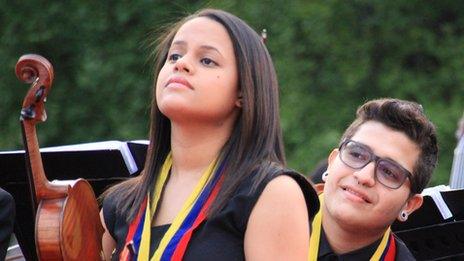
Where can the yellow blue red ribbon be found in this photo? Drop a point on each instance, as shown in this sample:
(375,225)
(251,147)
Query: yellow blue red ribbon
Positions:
(386,251)
(174,243)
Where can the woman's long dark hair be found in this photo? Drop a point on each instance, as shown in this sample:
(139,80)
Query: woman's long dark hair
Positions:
(255,146)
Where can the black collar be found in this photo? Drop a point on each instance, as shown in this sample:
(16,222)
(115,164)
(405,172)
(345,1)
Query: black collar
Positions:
(326,252)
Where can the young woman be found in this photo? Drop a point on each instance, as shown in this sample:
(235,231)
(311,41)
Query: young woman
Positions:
(384,161)
(214,186)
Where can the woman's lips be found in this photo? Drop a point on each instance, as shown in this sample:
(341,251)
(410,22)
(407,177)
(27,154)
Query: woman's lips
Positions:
(177,81)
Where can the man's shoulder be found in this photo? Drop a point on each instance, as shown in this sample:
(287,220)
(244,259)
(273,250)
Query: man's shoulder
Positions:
(402,251)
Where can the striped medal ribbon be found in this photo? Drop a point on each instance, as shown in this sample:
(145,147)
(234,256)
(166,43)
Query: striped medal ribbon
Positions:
(386,251)
(194,211)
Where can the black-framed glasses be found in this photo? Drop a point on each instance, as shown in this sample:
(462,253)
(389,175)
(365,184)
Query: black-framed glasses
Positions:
(389,173)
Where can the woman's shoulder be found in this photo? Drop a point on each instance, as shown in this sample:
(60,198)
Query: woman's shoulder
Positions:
(289,184)
(281,196)
(114,201)
(278,182)
(282,214)
(110,200)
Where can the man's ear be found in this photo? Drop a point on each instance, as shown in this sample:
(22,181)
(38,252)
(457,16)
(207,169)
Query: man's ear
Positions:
(320,187)
(332,157)
(413,204)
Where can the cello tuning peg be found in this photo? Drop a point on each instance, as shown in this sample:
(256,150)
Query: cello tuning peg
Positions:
(39,93)
(28,113)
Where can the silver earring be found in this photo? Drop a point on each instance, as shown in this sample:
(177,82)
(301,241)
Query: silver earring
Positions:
(324,175)
(403,216)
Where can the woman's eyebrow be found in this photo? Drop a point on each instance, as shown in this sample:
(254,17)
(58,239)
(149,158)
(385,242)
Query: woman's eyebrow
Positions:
(179,42)
(210,48)
(206,47)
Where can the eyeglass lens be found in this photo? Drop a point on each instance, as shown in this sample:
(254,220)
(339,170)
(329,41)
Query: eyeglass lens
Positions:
(387,172)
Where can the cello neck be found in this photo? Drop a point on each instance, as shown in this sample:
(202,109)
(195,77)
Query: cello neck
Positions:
(38,71)
(41,186)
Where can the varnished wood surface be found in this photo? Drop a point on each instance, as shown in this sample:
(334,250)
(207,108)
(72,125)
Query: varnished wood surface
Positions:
(67,221)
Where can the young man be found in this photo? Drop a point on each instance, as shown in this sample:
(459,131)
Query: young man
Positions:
(384,161)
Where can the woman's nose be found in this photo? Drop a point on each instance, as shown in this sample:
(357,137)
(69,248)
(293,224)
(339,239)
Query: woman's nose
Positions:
(366,175)
(183,65)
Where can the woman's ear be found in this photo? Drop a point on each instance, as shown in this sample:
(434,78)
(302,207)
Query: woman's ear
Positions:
(239,101)
(412,205)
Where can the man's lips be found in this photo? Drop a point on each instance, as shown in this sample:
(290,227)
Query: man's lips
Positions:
(356,193)
(178,81)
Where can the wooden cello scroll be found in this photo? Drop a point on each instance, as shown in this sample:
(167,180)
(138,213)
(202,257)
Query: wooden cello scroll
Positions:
(67,222)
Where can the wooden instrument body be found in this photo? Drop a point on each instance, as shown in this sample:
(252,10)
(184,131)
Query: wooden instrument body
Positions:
(67,217)
(69,228)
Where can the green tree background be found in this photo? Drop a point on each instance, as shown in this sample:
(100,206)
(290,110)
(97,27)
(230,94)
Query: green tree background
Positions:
(330,56)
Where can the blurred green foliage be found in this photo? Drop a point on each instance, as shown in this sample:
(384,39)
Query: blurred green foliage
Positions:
(330,55)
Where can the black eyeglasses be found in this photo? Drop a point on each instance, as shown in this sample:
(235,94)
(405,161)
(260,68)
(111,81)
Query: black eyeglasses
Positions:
(389,173)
